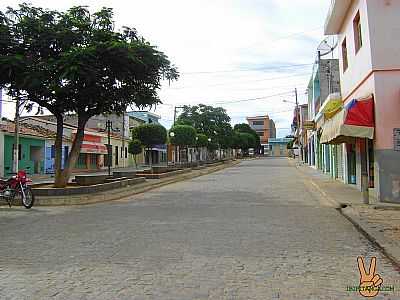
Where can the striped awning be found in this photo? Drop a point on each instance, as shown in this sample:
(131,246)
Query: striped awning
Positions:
(94,148)
(355,120)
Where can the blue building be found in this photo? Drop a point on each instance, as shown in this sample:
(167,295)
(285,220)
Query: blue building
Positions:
(158,152)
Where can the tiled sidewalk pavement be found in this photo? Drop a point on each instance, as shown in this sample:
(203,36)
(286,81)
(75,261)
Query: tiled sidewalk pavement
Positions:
(381,222)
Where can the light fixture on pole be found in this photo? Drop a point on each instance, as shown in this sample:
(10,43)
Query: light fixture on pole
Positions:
(109,128)
(172,134)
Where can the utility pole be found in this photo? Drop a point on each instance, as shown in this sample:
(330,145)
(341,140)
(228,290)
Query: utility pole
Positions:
(176,147)
(16,137)
(123,139)
(297,121)
(175,108)
(109,150)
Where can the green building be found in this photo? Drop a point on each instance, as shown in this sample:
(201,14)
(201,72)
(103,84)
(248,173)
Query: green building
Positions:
(31,149)
(30,154)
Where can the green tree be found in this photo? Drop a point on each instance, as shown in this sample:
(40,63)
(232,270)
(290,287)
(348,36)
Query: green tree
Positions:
(245,128)
(214,122)
(75,61)
(150,135)
(183,136)
(202,140)
(135,147)
(247,141)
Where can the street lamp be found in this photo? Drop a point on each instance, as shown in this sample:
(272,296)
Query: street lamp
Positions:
(109,128)
(172,134)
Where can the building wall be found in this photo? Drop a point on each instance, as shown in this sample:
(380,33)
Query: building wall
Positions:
(27,161)
(384,29)
(279,150)
(360,64)
(267,128)
(329,77)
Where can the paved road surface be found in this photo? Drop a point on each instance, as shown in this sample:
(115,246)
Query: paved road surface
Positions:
(254,231)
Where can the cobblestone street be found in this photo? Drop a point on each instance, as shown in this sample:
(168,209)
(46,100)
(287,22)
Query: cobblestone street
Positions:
(258,230)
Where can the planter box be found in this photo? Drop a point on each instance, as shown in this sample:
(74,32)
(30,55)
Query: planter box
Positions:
(163,175)
(86,180)
(127,174)
(79,190)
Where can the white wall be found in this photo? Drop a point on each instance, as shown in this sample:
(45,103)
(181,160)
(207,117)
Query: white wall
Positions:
(384,28)
(360,64)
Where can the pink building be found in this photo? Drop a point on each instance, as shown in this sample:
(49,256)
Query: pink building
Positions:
(369,53)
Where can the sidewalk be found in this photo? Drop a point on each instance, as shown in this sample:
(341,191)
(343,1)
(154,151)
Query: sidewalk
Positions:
(379,222)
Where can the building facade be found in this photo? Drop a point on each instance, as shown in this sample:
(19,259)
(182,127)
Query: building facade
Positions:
(370,73)
(323,85)
(278,147)
(265,128)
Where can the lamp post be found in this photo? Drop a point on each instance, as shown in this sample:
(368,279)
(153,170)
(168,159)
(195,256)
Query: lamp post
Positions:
(172,134)
(109,128)
(297,118)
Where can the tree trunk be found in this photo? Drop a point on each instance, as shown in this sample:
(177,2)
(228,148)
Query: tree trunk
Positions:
(150,159)
(134,159)
(74,154)
(58,149)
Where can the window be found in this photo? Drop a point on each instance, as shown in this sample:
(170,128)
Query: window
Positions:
(260,133)
(126,152)
(344,55)
(116,155)
(258,123)
(357,32)
(53,151)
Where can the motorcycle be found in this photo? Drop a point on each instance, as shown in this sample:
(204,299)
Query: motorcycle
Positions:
(17,186)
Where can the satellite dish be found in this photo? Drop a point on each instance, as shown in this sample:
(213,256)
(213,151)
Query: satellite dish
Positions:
(327,46)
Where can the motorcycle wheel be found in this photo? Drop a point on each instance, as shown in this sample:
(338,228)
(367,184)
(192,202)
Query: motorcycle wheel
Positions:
(29,198)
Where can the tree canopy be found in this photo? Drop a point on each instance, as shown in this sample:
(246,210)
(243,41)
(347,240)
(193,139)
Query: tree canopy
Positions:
(75,61)
(135,147)
(245,128)
(202,140)
(150,134)
(182,135)
(214,122)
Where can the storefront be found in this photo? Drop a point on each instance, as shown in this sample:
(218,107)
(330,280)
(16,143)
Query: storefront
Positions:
(91,156)
(354,126)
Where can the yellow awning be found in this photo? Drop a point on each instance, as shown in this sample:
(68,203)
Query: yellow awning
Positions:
(332,106)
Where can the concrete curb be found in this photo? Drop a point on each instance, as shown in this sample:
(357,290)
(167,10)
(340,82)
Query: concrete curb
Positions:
(121,193)
(372,235)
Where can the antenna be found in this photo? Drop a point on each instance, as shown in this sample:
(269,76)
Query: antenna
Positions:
(327,46)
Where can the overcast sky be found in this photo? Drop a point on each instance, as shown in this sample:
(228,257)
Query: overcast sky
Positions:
(227,51)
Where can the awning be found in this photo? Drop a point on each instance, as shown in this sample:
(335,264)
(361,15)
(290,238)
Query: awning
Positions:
(355,120)
(332,105)
(94,148)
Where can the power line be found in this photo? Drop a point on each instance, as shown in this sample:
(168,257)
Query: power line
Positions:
(241,82)
(253,99)
(248,70)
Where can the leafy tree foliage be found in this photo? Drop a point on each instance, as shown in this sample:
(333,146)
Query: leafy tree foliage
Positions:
(150,135)
(75,61)
(247,141)
(184,135)
(202,140)
(245,128)
(214,122)
(135,147)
